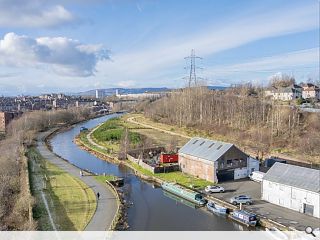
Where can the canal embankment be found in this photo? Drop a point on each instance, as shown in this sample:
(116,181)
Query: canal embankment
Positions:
(267,219)
(89,145)
(63,202)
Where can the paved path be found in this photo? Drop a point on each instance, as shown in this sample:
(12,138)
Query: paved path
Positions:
(132,120)
(106,205)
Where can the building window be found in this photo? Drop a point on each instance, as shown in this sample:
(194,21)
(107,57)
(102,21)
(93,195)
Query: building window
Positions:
(211,145)
(219,147)
(281,202)
(229,162)
(293,194)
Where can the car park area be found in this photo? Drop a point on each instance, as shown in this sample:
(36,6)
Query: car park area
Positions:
(279,214)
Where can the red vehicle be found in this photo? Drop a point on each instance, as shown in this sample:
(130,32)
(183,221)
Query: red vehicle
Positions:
(168,158)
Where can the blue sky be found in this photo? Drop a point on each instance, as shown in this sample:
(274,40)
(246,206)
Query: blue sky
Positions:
(76,45)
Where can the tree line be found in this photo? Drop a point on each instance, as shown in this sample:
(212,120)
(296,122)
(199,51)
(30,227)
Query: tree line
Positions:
(242,115)
(15,198)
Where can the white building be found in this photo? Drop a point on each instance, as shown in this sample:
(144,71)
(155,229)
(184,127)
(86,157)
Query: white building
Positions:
(310,91)
(100,93)
(285,94)
(293,187)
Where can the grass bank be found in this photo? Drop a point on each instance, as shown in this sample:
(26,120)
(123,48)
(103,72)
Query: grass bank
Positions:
(71,202)
(179,177)
(103,179)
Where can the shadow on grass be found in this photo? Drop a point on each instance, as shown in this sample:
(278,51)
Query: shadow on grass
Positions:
(62,220)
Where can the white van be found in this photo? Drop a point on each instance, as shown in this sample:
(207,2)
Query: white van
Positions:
(256,176)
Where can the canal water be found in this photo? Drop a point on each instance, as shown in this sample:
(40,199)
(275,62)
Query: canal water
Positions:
(152,208)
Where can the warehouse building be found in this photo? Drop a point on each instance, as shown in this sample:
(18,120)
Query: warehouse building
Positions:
(294,187)
(215,161)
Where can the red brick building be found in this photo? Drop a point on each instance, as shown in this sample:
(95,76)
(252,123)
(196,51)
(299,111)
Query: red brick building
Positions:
(6,118)
(215,161)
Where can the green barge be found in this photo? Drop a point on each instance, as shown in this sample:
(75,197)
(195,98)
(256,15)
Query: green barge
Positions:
(187,194)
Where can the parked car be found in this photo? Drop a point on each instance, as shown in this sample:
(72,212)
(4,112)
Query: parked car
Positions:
(244,199)
(256,176)
(214,189)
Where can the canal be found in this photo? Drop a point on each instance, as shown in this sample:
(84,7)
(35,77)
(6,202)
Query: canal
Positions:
(152,208)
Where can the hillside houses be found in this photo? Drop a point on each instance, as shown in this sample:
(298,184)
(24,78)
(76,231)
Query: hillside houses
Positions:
(294,91)
(310,91)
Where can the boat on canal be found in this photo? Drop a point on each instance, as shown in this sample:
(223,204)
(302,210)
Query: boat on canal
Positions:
(215,208)
(180,200)
(244,217)
(185,193)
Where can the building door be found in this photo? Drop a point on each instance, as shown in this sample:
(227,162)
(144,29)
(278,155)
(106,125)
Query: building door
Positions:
(225,175)
(308,209)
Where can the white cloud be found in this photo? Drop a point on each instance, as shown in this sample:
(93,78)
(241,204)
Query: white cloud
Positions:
(140,65)
(125,84)
(33,13)
(66,57)
(291,60)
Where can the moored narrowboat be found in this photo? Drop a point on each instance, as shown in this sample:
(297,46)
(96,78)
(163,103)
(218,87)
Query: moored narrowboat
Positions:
(187,194)
(180,200)
(215,208)
(247,218)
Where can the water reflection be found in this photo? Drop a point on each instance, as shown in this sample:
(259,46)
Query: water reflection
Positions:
(151,209)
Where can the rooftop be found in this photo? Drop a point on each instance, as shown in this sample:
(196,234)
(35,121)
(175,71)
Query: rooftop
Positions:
(295,176)
(205,149)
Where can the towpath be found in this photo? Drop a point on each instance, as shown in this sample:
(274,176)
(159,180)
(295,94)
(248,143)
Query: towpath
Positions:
(106,205)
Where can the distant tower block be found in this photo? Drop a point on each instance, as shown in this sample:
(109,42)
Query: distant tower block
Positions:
(99,93)
(192,78)
(117,92)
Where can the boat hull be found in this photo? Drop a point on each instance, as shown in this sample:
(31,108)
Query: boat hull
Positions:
(183,193)
(244,217)
(216,208)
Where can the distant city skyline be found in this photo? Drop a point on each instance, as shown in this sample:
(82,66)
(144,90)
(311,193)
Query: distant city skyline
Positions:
(74,46)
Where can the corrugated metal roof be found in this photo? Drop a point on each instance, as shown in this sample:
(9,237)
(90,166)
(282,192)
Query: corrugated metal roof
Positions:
(295,176)
(205,149)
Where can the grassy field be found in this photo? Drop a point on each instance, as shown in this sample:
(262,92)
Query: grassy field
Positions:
(71,202)
(178,177)
(110,133)
(189,132)
(158,138)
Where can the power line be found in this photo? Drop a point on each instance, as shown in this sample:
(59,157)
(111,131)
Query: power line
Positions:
(192,78)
